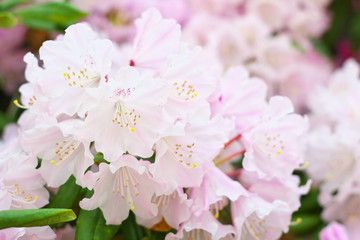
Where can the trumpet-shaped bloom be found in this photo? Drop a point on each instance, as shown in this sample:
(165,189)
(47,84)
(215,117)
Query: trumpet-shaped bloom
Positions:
(273,147)
(130,116)
(62,153)
(123,185)
(73,63)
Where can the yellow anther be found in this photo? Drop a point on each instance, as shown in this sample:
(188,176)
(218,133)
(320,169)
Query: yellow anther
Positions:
(132,129)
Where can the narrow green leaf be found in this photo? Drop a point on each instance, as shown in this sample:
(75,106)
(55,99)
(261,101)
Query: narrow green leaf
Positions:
(7,20)
(67,195)
(34,217)
(91,225)
(7,5)
(50,15)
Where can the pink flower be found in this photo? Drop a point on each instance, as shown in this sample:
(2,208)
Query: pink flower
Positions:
(180,158)
(21,185)
(155,40)
(128,115)
(174,208)
(36,233)
(63,154)
(273,146)
(240,98)
(334,231)
(204,227)
(73,63)
(123,185)
(259,219)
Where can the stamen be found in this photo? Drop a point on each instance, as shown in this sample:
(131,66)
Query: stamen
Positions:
(183,154)
(126,184)
(64,150)
(19,196)
(223,160)
(124,117)
(16,102)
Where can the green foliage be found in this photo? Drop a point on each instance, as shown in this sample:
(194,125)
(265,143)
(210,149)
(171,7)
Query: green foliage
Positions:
(130,229)
(91,225)
(7,20)
(50,15)
(67,196)
(34,217)
(7,5)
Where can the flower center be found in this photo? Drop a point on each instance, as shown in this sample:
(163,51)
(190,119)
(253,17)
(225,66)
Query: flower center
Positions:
(125,117)
(271,145)
(218,206)
(19,196)
(162,199)
(126,185)
(253,228)
(82,78)
(196,234)
(184,91)
(183,153)
(64,150)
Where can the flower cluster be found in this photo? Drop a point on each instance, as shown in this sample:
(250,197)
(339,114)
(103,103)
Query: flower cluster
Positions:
(181,139)
(270,38)
(333,147)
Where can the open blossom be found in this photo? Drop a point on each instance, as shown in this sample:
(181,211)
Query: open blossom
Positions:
(129,116)
(204,227)
(272,146)
(62,153)
(123,185)
(174,208)
(21,185)
(180,158)
(74,62)
(240,98)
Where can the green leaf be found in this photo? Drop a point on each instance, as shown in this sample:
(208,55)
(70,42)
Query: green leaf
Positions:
(130,229)
(91,225)
(7,20)
(7,5)
(4,120)
(67,195)
(50,15)
(307,223)
(34,217)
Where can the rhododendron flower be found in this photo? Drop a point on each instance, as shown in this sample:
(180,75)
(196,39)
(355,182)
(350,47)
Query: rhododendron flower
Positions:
(204,227)
(273,148)
(155,40)
(130,114)
(72,63)
(334,231)
(240,98)
(123,185)
(179,159)
(62,153)
(174,208)
(37,233)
